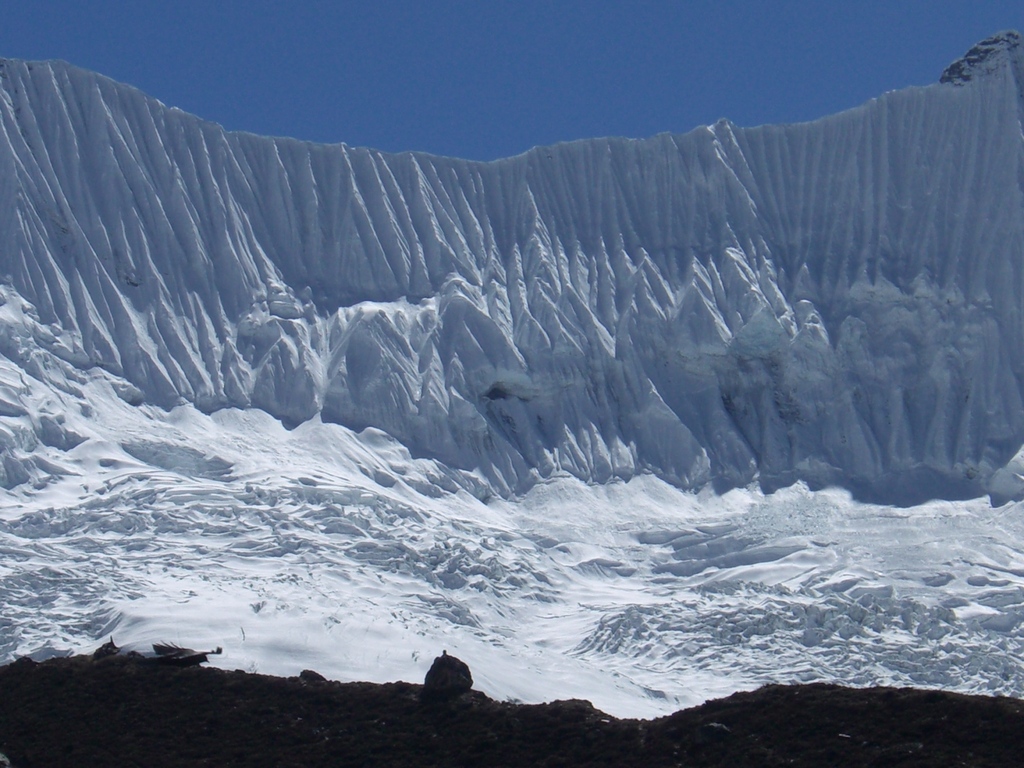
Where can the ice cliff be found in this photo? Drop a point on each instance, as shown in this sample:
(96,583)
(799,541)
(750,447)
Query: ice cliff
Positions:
(840,301)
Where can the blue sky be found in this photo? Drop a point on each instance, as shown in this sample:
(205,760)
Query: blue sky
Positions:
(493,78)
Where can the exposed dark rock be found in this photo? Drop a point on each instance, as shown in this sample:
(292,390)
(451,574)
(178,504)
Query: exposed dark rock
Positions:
(712,733)
(121,711)
(176,656)
(310,676)
(105,650)
(981,59)
(447,678)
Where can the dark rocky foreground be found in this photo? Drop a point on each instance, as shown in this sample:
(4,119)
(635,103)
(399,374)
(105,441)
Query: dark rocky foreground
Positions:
(122,712)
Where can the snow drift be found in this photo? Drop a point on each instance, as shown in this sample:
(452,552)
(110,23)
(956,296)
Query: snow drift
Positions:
(839,302)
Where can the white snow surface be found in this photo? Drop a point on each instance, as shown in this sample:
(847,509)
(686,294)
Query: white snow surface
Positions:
(321,548)
(642,422)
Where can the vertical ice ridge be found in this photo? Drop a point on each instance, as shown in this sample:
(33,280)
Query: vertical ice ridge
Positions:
(837,301)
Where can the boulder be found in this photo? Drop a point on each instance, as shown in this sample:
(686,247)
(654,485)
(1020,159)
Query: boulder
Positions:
(106,650)
(448,677)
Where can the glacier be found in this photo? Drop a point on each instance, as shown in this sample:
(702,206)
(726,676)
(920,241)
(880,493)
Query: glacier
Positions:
(836,302)
(638,420)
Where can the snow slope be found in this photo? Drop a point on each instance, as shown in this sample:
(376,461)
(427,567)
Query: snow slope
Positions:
(338,409)
(319,548)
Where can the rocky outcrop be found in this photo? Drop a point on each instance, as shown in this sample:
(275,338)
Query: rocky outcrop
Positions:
(447,678)
(984,58)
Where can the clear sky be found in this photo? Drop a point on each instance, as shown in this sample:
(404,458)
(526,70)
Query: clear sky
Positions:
(491,78)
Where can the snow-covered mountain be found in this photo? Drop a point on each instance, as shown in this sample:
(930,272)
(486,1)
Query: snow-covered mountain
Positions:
(291,395)
(836,301)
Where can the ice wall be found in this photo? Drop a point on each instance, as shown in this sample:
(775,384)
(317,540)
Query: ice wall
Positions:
(838,301)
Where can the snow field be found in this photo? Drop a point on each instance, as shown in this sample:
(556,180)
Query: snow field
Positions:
(283,548)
